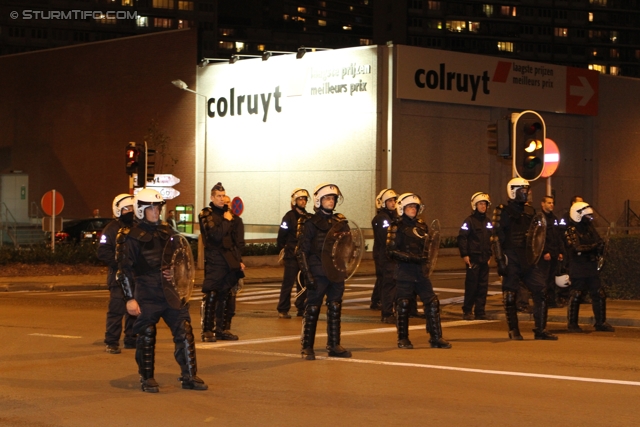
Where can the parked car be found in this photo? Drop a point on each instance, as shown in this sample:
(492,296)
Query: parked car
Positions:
(82,230)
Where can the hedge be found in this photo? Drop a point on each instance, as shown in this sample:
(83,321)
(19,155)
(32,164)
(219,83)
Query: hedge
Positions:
(621,271)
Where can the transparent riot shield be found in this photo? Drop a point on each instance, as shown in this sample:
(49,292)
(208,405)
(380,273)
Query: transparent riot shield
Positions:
(178,271)
(342,250)
(535,238)
(433,245)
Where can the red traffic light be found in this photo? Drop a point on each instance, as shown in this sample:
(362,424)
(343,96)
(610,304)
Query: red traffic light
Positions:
(132,156)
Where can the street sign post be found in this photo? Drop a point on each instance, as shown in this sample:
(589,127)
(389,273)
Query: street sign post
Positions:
(52,204)
(159,180)
(167,193)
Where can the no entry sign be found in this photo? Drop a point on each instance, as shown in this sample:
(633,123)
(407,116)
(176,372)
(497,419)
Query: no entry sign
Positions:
(47,202)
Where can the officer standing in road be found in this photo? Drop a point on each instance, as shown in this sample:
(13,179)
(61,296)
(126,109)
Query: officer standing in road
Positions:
(238,240)
(123,212)
(511,225)
(140,255)
(587,250)
(553,252)
(384,289)
(408,246)
(223,265)
(474,243)
(311,240)
(287,241)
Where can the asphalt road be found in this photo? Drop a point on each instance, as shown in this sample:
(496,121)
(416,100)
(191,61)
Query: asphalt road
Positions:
(54,371)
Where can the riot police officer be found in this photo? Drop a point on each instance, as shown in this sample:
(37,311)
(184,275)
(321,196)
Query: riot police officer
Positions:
(238,238)
(511,225)
(408,246)
(587,248)
(287,241)
(553,252)
(122,207)
(384,289)
(321,226)
(223,265)
(474,243)
(140,253)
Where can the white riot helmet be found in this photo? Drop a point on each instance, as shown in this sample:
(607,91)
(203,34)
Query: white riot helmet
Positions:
(579,210)
(514,185)
(385,195)
(563,281)
(144,199)
(406,199)
(119,202)
(326,189)
(480,197)
(299,192)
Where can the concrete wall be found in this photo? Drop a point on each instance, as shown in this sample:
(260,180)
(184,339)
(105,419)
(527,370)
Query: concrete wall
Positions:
(67,114)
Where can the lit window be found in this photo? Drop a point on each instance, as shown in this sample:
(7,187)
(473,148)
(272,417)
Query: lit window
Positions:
(346,27)
(433,5)
(456,26)
(239,46)
(261,47)
(602,69)
(226,45)
(590,16)
(614,71)
(598,2)
(226,32)
(183,24)
(614,37)
(614,53)
(474,27)
(185,5)
(350,8)
(104,19)
(302,9)
(285,17)
(505,46)
(127,2)
(594,53)
(142,21)
(365,42)
(322,23)
(560,32)
(505,10)
(162,23)
(164,4)
(487,9)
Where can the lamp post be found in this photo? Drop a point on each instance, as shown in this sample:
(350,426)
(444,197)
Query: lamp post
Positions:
(182,85)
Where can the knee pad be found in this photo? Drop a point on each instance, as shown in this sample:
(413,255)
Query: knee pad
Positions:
(600,293)
(334,306)
(403,305)
(148,335)
(509,298)
(312,311)
(184,331)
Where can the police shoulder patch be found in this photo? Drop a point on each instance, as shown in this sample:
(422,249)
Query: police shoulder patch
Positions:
(340,217)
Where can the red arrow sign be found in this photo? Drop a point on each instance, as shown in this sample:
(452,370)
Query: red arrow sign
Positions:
(582,91)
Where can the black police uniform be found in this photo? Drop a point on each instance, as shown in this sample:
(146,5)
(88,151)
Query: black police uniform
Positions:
(384,289)
(287,240)
(221,270)
(586,247)
(474,241)
(139,252)
(238,233)
(117,308)
(311,240)
(407,248)
(510,226)
(554,246)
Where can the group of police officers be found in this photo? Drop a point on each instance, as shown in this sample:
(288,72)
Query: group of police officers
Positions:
(404,254)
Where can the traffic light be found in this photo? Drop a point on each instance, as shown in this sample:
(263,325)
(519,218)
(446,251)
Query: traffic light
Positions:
(499,140)
(132,157)
(529,132)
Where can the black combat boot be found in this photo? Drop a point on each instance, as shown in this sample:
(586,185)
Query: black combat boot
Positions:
(309,323)
(573,310)
(434,326)
(219,330)
(185,355)
(540,317)
(207,315)
(333,331)
(402,324)
(511,312)
(145,357)
(599,304)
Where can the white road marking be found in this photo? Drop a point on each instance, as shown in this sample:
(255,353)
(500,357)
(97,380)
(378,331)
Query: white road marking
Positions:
(54,336)
(445,368)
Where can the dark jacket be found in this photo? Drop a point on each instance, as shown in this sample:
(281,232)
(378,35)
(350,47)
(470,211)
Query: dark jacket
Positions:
(585,245)
(511,224)
(288,232)
(553,243)
(474,238)
(219,237)
(313,237)
(380,224)
(407,246)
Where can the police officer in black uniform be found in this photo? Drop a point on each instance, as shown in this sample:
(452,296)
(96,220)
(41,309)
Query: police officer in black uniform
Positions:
(586,247)
(510,227)
(139,252)
(474,243)
(238,239)
(311,240)
(287,241)
(553,252)
(384,290)
(223,265)
(123,212)
(407,245)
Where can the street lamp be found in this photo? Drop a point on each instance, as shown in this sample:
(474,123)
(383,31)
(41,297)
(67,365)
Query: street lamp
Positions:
(182,85)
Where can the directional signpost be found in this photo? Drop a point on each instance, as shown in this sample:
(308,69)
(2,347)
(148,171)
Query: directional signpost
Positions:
(162,183)
(52,204)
